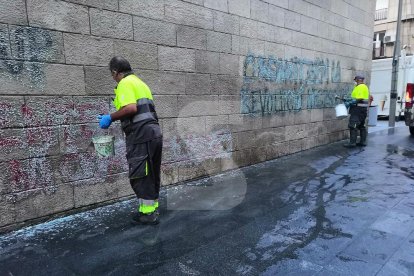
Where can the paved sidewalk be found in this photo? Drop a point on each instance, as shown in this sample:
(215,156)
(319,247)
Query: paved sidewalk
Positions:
(326,211)
(383,124)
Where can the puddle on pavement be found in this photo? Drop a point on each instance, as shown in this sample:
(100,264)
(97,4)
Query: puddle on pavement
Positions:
(357,199)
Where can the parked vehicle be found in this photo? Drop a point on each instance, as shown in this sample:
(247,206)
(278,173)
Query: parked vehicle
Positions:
(380,88)
(409,107)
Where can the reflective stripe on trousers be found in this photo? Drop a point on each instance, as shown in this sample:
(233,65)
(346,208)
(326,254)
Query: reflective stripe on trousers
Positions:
(147,206)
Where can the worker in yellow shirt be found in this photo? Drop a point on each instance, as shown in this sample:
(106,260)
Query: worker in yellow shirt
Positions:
(136,110)
(358,109)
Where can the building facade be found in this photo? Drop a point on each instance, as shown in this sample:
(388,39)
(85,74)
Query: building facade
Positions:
(385,26)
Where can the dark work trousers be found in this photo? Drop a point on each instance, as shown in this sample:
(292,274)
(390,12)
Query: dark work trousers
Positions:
(147,186)
(357,122)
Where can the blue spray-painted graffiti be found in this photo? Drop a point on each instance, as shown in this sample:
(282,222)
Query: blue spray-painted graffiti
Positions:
(23,51)
(266,101)
(273,85)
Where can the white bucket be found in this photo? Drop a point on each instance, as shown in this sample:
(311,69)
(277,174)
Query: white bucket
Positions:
(341,111)
(104,145)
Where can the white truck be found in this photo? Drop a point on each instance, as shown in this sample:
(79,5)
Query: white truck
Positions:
(380,88)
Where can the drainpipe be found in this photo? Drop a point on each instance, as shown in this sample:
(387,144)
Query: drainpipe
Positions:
(394,76)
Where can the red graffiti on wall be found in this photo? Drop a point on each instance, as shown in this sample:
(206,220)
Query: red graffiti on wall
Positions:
(56,109)
(10,142)
(87,132)
(26,110)
(39,135)
(87,111)
(5,106)
(28,115)
(113,165)
(18,176)
(65,134)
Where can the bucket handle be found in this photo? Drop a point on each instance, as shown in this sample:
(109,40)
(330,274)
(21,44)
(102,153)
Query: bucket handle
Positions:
(338,98)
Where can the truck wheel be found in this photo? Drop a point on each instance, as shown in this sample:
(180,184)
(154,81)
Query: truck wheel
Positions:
(412,130)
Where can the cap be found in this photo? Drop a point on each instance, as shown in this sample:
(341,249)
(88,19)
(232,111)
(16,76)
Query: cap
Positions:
(359,77)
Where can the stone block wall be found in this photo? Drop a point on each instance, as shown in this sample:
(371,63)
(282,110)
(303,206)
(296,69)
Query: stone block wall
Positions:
(236,82)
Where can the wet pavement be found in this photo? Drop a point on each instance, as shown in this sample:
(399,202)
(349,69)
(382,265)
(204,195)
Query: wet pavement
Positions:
(326,211)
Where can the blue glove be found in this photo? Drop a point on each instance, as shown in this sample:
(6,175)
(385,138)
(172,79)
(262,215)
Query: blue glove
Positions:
(105,121)
(349,102)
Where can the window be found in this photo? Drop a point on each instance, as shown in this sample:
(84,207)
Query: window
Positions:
(378,50)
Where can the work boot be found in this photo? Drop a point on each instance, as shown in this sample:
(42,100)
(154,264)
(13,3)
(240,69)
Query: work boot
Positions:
(146,219)
(350,145)
(136,215)
(352,138)
(363,138)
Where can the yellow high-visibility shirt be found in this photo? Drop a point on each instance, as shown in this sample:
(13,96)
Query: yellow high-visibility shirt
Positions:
(360,92)
(129,90)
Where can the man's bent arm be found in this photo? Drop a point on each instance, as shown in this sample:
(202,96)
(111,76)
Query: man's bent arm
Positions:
(126,111)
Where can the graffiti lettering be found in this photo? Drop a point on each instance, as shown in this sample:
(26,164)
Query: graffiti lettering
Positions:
(294,70)
(274,85)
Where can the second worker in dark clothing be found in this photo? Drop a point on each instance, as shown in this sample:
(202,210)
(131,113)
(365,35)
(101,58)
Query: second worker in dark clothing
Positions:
(358,109)
(136,110)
